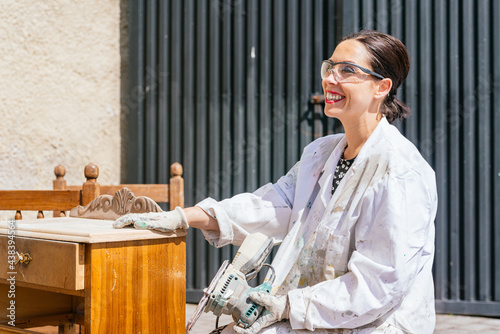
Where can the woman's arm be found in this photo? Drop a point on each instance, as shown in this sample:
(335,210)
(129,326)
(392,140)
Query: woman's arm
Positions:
(197,218)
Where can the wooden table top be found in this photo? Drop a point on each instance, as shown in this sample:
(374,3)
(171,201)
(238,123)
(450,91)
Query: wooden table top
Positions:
(81,230)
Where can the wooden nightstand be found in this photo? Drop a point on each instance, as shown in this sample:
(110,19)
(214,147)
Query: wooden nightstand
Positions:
(84,271)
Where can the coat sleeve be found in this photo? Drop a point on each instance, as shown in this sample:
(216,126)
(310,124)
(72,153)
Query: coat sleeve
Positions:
(266,210)
(392,232)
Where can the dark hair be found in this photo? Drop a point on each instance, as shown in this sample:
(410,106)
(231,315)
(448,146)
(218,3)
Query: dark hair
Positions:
(388,57)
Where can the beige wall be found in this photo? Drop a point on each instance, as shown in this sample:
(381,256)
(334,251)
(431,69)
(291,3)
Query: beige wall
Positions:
(62,69)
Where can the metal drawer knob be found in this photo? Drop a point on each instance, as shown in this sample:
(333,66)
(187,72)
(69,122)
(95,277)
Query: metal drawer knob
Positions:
(23,258)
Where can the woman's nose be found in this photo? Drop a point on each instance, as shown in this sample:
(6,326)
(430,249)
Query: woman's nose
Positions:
(330,77)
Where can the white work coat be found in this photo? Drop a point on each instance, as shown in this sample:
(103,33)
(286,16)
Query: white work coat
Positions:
(360,259)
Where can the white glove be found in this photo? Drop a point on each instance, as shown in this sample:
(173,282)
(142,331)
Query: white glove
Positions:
(276,309)
(166,221)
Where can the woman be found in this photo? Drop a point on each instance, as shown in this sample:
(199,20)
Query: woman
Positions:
(354,216)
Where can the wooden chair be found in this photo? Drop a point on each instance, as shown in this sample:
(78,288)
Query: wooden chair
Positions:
(64,198)
(49,200)
(172,193)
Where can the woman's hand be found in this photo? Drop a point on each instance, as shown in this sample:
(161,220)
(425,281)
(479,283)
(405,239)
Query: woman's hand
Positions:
(276,309)
(167,221)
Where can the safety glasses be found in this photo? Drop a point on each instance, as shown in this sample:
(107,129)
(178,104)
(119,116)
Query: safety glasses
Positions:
(346,72)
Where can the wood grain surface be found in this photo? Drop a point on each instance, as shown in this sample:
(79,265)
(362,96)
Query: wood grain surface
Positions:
(39,199)
(33,303)
(82,230)
(54,263)
(135,286)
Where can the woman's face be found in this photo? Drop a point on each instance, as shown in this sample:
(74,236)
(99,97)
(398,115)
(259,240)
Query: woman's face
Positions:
(350,100)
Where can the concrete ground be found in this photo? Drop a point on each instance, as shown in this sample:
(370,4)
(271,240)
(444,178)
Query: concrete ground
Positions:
(445,324)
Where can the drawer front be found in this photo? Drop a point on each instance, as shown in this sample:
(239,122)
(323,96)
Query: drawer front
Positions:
(53,263)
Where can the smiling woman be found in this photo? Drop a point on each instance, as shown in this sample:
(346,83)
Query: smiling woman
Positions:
(354,215)
(360,82)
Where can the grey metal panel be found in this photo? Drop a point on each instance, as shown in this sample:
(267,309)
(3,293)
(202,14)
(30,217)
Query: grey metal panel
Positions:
(468,138)
(265,74)
(226,57)
(189,89)
(251,117)
(175,77)
(151,108)
(306,127)
(163,87)
(292,109)
(495,150)
(382,9)
(225,87)
(238,104)
(484,204)
(367,11)
(135,100)
(410,87)
(213,130)
(425,81)
(439,101)
(454,167)
(197,273)
(318,56)
(278,88)
(350,11)
(213,137)
(397,29)
(395,19)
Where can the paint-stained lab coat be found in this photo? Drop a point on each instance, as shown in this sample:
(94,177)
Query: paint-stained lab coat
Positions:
(359,261)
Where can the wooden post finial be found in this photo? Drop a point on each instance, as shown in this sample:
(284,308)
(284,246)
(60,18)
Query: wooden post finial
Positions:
(176,169)
(176,189)
(58,183)
(91,172)
(91,188)
(59,171)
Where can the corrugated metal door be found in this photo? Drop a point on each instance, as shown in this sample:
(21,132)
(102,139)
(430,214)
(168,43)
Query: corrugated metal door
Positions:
(226,88)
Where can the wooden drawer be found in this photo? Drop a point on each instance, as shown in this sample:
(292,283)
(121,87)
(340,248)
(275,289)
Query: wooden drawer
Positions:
(54,263)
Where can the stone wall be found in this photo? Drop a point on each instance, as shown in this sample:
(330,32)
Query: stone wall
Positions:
(63,68)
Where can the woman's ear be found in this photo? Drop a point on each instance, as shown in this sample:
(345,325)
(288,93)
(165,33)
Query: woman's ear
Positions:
(383,88)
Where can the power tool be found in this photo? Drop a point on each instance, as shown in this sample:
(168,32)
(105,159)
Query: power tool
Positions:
(228,293)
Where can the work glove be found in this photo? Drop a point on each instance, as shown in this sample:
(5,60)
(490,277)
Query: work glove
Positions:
(276,309)
(166,221)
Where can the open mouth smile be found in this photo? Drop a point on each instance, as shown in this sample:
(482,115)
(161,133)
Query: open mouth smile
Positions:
(333,97)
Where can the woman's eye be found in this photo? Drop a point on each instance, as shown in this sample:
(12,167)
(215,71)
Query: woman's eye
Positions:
(346,69)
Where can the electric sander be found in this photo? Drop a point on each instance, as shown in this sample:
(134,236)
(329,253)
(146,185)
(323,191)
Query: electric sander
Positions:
(228,293)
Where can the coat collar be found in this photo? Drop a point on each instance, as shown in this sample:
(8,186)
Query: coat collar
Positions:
(375,138)
(312,168)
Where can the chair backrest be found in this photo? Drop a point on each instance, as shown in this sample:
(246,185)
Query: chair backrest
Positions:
(59,200)
(172,193)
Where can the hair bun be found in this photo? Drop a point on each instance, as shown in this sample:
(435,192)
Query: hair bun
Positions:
(395,109)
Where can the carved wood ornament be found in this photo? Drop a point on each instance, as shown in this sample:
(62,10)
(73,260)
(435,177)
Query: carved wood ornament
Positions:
(113,207)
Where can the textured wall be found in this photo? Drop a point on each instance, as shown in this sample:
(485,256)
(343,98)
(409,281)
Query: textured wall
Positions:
(61,67)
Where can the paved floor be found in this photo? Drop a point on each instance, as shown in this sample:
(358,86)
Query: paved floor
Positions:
(459,324)
(445,324)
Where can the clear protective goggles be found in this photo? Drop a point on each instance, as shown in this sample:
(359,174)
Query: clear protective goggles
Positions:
(346,72)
